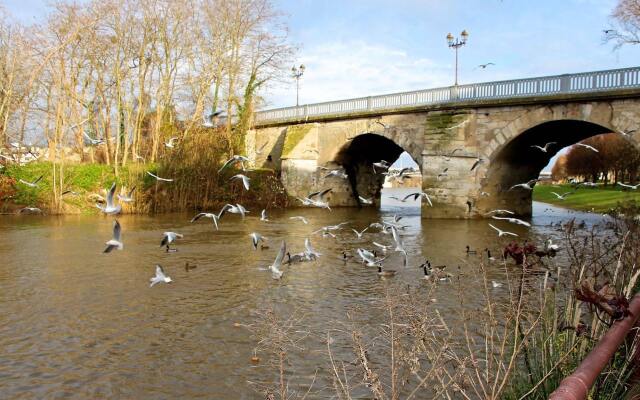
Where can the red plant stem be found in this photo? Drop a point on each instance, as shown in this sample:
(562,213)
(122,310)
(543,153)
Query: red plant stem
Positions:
(576,386)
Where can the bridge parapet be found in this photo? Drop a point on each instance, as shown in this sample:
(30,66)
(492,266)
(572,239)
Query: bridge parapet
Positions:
(546,86)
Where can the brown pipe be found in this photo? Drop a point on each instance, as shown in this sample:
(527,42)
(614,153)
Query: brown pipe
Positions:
(576,386)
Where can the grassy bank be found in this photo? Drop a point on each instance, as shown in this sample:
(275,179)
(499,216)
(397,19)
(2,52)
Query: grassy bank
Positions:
(600,199)
(86,183)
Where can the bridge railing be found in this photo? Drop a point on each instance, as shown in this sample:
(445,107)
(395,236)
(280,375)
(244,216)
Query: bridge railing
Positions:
(584,82)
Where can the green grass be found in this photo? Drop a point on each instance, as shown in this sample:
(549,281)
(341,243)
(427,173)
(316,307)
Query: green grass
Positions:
(81,178)
(600,199)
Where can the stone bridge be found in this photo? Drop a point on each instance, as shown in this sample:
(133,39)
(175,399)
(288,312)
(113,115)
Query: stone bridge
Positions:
(447,128)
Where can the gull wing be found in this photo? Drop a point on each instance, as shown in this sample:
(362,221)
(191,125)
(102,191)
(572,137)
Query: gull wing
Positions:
(197,217)
(227,163)
(110,195)
(283,249)
(414,195)
(116,230)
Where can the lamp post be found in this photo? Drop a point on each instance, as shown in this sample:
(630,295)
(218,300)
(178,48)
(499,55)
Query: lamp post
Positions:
(297,73)
(456,44)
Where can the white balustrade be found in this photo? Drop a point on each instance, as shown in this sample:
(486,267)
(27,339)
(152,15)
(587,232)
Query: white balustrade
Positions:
(585,82)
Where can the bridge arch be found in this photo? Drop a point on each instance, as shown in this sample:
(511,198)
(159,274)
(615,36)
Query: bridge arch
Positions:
(359,153)
(512,160)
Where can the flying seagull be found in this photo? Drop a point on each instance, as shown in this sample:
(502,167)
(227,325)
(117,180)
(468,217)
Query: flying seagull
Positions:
(233,209)
(309,251)
(561,196)
(158,178)
(338,173)
(168,238)
(171,143)
(513,220)
(263,216)
(245,180)
(382,164)
(233,160)
(110,207)
(276,273)
(115,242)
(92,141)
(443,173)
(416,196)
(300,218)
(208,119)
(500,211)
(31,184)
(632,187)
(213,216)
(127,198)
(476,163)
(160,276)
(501,232)
(528,185)
(359,234)
(545,147)
(586,146)
(484,66)
(365,201)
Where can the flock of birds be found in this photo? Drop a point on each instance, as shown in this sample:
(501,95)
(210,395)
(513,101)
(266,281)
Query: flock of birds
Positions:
(317,199)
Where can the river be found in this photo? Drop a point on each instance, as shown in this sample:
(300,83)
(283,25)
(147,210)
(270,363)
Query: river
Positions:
(77,323)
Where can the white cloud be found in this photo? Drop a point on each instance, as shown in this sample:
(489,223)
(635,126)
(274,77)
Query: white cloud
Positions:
(342,70)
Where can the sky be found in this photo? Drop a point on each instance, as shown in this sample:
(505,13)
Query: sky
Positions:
(354,48)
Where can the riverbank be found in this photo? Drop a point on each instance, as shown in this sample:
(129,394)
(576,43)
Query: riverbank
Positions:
(78,188)
(599,199)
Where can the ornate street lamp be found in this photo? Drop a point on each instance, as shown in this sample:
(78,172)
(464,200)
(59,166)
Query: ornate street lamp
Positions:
(297,73)
(456,44)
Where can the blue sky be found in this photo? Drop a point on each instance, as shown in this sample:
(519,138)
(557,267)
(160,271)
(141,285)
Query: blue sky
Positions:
(355,48)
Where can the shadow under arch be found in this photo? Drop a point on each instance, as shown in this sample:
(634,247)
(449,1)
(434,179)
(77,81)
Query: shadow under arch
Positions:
(357,157)
(517,162)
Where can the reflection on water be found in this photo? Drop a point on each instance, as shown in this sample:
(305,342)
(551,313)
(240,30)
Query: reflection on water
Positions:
(77,323)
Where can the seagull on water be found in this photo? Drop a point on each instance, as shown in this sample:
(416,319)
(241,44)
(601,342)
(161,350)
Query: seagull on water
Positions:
(276,273)
(213,217)
(263,216)
(359,234)
(416,196)
(545,147)
(586,146)
(158,178)
(528,185)
(168,238)
(300,218)
(160,276)
(234,160)
(256,238)
(237,209)
(110,208)
(245,180)
(501,232)
(115,242)
(513,220)
(127,198)
(31,184)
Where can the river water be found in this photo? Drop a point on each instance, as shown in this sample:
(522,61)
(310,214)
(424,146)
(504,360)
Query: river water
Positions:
(76,323)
